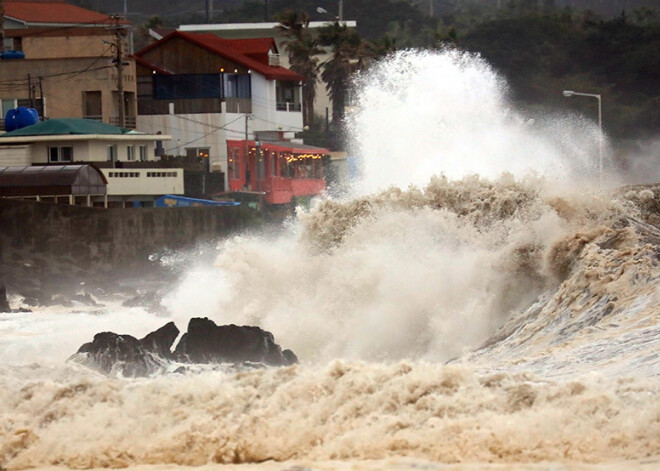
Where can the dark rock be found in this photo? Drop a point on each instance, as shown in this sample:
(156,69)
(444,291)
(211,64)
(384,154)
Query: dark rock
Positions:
(206,342)
(290,357)
(4,304)
(160,341)
(110,352)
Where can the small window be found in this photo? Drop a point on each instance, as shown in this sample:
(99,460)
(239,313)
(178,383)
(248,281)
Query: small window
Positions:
(130,152)
(143,153)
(112,153)
(60,154)
(233,163)
(272,156)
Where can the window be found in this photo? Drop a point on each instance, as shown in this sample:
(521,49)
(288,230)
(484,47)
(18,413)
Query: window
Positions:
(233,163)
(12,44)
(237,86)
(130,152)
(168,87)
(272,157)
(143,153)
(288,96)
(112,153)
(93,104)
(197,152)
(60,154)
(6,105)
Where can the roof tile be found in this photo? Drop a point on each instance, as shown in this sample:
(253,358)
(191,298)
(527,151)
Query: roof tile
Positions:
(56,12)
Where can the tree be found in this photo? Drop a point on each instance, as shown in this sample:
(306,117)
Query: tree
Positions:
(303,49)
(346,47)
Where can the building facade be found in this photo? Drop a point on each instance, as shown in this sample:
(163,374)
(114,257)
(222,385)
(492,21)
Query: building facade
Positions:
(322,102)
(63,61)
(204,90)
(128,160)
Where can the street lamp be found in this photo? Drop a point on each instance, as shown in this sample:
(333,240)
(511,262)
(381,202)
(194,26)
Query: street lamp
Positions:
(339,17)
(570,93)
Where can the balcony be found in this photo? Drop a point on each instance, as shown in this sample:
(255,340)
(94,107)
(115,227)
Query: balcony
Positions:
(238,105)
(129,121)
(287,106)
(274,60)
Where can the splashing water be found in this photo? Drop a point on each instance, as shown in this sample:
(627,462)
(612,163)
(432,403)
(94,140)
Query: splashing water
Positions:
(425,113)
(544,298)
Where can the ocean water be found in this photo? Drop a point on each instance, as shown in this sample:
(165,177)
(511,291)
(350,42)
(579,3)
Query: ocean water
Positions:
(481,299)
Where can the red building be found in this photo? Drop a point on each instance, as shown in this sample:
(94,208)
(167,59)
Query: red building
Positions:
(281,170)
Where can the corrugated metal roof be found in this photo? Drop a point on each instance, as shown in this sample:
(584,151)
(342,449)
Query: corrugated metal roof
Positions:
(52,180)
(62,126)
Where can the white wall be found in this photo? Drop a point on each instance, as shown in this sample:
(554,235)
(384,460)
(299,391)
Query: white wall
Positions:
(14,156)
(197,130)
(39,150)
(92,151)
(144,181)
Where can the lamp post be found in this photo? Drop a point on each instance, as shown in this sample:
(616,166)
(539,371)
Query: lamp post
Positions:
(340,12)
(570,93)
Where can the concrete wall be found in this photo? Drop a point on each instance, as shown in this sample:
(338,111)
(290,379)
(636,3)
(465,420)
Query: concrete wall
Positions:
(39,239)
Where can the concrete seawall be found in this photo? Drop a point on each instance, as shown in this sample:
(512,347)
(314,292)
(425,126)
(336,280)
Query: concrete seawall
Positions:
(44,239)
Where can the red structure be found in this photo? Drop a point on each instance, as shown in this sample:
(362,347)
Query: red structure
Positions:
(280,170)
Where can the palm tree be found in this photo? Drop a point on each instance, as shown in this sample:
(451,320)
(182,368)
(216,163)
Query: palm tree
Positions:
(346,51)
(303,49)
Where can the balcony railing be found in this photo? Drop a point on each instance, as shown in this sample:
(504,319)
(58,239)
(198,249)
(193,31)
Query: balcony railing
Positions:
(273,60)
(129,121)
(239,105)
(286,106)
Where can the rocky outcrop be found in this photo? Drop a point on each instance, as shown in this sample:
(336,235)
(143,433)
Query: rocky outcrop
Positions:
(4,304)
(159,342)
(124,354)
(204,342)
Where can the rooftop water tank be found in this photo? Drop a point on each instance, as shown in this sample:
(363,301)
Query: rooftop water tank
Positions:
(20,117)
(12,55)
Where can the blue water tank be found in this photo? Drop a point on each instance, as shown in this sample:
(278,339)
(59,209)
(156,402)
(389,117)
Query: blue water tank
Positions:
(20,117)
(7,55)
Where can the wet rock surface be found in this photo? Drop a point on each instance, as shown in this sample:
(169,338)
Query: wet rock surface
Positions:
(203,343)
(206,342)
(4,304)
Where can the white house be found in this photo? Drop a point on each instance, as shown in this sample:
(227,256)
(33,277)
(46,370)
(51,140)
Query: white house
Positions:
(128,160)
(203,90)
(322,103)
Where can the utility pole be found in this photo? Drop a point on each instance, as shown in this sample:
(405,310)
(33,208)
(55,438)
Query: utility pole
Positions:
(247,164)
(209,11)
(119,58)
(30,91)
(2,27)
(41,97)
(340,13)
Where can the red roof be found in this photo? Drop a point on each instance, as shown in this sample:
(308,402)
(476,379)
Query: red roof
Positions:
(282,146)
(56,12)
(249,53)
